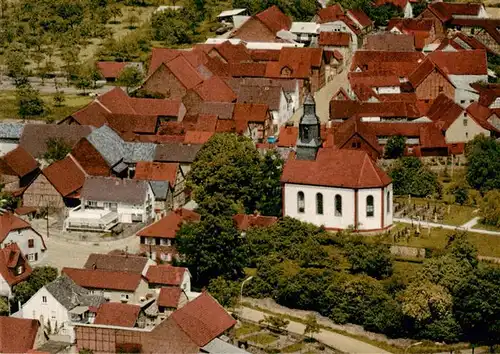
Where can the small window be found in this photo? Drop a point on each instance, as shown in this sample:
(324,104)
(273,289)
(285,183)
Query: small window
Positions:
(388,202)
(31,243)
(338,205)
(44,299)
(465,122)
(466,135)
(301,202)
(356,144)
(462,101)
(440,89)
(370,210)
(319,203)
(19,270)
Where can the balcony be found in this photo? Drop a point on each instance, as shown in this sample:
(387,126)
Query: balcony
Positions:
(90,219)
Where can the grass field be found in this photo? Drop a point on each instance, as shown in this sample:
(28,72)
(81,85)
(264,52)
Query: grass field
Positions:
(486,227)
(9,109)
(262,338)
(246,328)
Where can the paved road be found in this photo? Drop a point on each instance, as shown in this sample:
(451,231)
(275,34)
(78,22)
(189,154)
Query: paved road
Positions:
(338,341)
(466,227)
(6,84)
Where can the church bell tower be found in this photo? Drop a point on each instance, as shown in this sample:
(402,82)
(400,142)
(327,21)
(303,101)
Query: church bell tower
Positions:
(309,139)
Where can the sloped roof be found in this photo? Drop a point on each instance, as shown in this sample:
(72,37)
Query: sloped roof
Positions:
(470,62)
(174,152)
(17,335)
(287,136)
(203,319)
(400,63)
(339,39)
(245,113)
(274,19)
(445,11)
(335,168)
(481,114)
(108,143)
(9,259)
(167,226)
(222,110)
(116,101)
(93,114)
(65,175)
(373,79)
(116,262)
(215,90)
(355,127)
(111,189)
(161,55)
(117,314)
(361,17)
(197,137)
(330,13)
(490,25)
(245,221)
(169,297)
(345,109)
(269,95)
(184,72)
(387,41)
(444,111)
(18,162)
(157,171)
(411,24)
(165,275)
(70,295)
(103,279)
(206,123)
(110,69)
(9,222)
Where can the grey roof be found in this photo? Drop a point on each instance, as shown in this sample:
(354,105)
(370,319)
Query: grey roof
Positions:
(160,189)
(286,84)
(176,152)
(109,144)
(139,152)
(111,189)
(70,295)
(219,346)
(223,110)
(116,262)
(11,130)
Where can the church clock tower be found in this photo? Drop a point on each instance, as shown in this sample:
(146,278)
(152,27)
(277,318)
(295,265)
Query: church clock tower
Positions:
(309,139)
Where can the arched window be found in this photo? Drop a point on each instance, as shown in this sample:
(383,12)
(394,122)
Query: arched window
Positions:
(388,202)
(338,205)
(300,202)
(319,203)
(370,210)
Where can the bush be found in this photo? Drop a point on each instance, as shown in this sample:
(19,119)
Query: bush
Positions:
(490,208)
(411,177)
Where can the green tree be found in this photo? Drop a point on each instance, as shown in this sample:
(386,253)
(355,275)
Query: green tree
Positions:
(373,260)
(483,156)
(30,104)
(38,278)
(489,208)
(419,7)
(59,98)
(15,62)
(312,325)
(226,292)
(4,306)
(130,77)
(424,301)
(410,176)
(395,147)
(276,322)
(57,149)
(212,248)
(171,27)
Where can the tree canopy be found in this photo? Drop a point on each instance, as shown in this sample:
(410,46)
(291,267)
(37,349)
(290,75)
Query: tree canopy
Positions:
(38,278)
(483,169)
(395,147)
(411,177)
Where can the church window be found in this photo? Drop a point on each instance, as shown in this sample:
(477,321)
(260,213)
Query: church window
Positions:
(300,202)
(370,210)
(388,202)
(305,133)
(338,205)
(319,203)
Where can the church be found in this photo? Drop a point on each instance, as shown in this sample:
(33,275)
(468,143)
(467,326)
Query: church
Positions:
(332,187)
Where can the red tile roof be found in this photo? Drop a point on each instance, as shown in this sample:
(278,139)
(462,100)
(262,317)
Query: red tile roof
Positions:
(245,113)
(203,319)
(206,123)
(360,16)
(245,221)
(264,55)
(169,297)
(18,162)
(444,111)
(167,226)
(233,53)
(399,63)
(445,11)
(472,42)
(423,70)
(110,69)
(165,275)
(65,175)
(480,114)
(161,55)
(489,25)
(300,61)
(116,101)
(157,171)
(274,19)
(336,168)
(10,257)
(470,62)
(197,137)
(388,41)
(215,90)
(287,136)
(429,134)
(330,13)
(347,109)
(339,39)
(17,335)
(155,107)
(93,114)
(411,24)
(103,279)
(248,69)
(225,126)
(9,222)
(353,127)
(184,72)
(373,79)
(341,94)
(117,314)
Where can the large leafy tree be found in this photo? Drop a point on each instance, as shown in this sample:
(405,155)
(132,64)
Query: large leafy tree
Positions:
(299,10)
(171,27)
(490,208)
(130,77)
(373,260)
(230,175)
(410,176)
(483,169)
(30,104)
(38,278)
(395,147)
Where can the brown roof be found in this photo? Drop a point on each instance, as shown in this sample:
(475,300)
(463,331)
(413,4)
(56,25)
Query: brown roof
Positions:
(399,63)
(336,168)
(330,13)
(10,257)
(444,111)
(167,226)
(215,90)
(245,221)
(300,62)
(206,123)
(287,136)
(411,24)
(18,162)
(263,55)
(112,189)
(197,137)
(110,69)
(342,109)
(165,275)
(233,53)
(169,297)
(17,335)
(339,39)
(65,175)
(480,114)
(157,171)
(93,114)
(9,222)
(247,69)
(469,62)
(354,127)
(117,314)
(90,159)
(445,11)
(373,79)
(184,72)
(361,17)
(103,279)
(203,319)
(490,25)
(222,110)
(246,113)
(274,19)
(174,152)
(34,137)
(389,42)
(116,262)
(269,95)
(161,55)
(429,134)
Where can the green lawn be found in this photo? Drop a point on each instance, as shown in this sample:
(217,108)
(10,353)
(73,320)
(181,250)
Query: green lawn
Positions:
(292,348)
(480,226)
(406,270)
(262,338)
(246,328)
(9,106)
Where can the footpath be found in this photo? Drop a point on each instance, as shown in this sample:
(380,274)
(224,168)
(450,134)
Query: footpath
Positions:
(468,226)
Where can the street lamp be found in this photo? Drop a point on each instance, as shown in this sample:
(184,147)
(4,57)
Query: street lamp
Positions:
(241,289)
(412,345)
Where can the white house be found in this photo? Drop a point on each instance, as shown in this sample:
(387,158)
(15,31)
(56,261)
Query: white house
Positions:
(336,188)
(306,32)
(63,304)
(16,230)
(169,276)
(342,26)
(14,268)
(107,201)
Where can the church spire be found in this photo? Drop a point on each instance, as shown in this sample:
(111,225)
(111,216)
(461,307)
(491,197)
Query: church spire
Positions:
(309,139)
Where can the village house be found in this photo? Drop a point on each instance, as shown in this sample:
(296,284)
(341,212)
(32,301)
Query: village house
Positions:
(315,191)
(111,70)
(483,30)
(264,26)
(113,285)
(422,30)
(10,135)
(59,305)
(17,169)
(254,121)
(18,335)
(117,314)
(169,300)
(107,201)
(14,268)
(336,41)
(157,240)
(392,111)
(57,187)
(119,262)
(390,42)
(305,32)
(177,334)
(162,276)
(183,154)
(18,231)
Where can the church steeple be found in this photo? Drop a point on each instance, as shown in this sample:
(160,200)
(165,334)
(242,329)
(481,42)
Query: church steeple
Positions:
(309,139)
